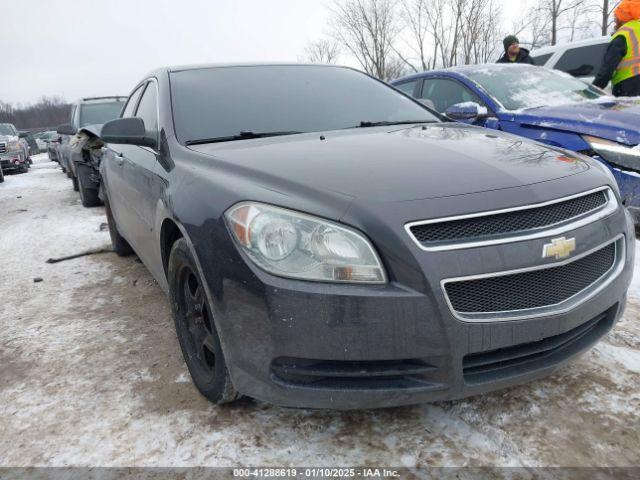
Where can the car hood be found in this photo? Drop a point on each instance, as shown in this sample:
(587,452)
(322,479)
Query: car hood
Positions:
(396,164)
(8,138)
(614,119)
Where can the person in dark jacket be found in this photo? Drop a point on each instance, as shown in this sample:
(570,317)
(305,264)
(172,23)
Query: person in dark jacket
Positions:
(513,53)
(621,64)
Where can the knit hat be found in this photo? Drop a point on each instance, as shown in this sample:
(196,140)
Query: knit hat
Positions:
(510,40)
(628,10)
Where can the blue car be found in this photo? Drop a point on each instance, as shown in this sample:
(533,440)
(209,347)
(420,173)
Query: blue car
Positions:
(544,105)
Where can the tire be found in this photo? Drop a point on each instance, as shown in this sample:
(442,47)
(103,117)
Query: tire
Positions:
(88,195)
(74,181)
(196,329)
(1,176)
(119,244)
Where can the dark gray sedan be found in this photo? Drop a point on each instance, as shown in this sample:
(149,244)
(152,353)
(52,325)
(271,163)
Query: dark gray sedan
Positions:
(327,241)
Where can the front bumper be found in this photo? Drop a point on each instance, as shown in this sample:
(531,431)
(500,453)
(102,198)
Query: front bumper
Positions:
(302,344)
(12,161)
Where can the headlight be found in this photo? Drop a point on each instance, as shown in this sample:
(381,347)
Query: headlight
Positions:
(14,145)
(291,244)
(615,153)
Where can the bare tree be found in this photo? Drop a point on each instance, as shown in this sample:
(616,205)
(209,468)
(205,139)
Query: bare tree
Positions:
(322,51)
(368,30)
(481,22)
(448,32)
(555,12)
(607,8)
(414,16)
(45,113)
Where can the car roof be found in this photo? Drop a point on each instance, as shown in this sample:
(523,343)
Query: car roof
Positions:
(565,46)
(464,70)
(102,99)
(181,68)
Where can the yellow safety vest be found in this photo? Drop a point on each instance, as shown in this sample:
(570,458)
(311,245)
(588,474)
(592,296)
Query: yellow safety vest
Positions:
(629,67)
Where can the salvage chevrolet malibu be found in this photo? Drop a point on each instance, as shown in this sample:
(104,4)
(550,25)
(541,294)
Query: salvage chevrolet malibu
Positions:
(327,241)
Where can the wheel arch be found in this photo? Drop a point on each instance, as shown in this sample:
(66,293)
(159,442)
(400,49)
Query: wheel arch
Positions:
(170,233)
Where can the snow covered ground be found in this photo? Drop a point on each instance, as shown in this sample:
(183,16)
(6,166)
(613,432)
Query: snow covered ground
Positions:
(91,374)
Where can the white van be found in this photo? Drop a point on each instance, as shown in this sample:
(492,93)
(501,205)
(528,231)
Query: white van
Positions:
(581,59)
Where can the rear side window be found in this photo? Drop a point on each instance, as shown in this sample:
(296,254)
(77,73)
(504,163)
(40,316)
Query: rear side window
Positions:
(582,61)
(541,60)
(133,102)
(148,108)
(74,116)
(407,87)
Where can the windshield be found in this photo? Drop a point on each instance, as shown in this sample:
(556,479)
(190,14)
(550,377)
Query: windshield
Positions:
(99,113)
(529,87)
(7,130)
(214,103)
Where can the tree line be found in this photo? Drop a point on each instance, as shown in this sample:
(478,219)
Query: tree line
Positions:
(390,38)
(46,113)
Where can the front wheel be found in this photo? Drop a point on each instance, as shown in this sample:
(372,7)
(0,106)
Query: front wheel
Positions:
(1,176)
(196,329)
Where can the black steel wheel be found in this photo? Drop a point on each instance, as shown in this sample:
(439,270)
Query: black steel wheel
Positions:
(196,329)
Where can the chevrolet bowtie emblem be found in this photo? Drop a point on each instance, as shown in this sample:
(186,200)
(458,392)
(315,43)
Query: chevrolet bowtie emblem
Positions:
(559,248)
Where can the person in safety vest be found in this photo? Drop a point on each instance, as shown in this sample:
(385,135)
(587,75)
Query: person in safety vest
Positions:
(621,64)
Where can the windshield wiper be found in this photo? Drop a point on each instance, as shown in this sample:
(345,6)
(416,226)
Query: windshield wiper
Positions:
(365,124)
(244,135)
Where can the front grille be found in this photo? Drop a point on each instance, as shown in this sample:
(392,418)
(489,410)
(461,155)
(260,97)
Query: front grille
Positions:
(519,359)
(353,375)
(531,289)
(499,224)
(3,147)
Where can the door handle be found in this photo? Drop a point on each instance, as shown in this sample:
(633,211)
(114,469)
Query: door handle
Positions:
(119,159)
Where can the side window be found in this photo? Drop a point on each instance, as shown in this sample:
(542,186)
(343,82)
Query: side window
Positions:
(148,107)
(541,60)
(444,93)
(582,61)
(407,87)
(74,115)
(132,102)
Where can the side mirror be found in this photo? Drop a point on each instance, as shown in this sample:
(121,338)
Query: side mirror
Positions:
(66,129)
(23,134)
(466,111)
(128,131)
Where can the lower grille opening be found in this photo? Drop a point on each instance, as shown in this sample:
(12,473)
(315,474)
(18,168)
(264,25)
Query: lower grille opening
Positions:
(520,359)
(365,375)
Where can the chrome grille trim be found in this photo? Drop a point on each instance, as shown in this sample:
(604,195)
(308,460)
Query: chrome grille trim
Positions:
(559,308)
(3,147)
(549,230)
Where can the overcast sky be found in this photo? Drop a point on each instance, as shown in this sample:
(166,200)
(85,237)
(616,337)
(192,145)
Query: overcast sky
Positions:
(76,48)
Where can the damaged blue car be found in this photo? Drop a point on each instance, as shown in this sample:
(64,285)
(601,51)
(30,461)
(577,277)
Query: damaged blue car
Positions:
(544,105)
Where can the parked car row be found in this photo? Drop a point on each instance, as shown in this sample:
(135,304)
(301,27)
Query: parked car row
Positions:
(328,241)
(14,150)
(79,149)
